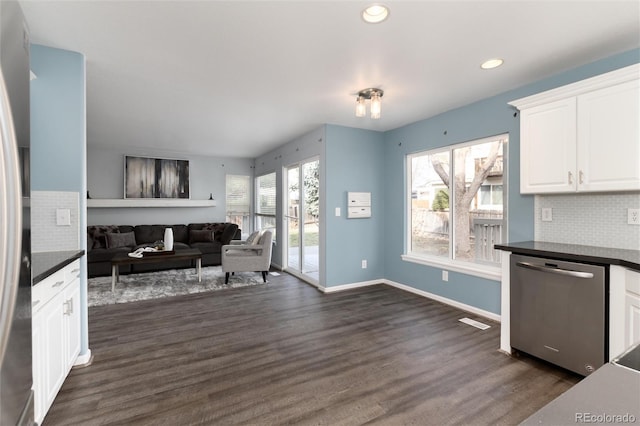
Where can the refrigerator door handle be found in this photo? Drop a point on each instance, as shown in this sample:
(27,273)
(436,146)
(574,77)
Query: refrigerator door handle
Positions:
(10,218)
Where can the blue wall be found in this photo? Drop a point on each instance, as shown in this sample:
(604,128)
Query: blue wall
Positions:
(353,158)
(57,120)
(58,140)
(355,163)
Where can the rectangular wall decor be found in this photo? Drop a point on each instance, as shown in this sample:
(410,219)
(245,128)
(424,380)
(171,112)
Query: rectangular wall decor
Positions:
(155,178)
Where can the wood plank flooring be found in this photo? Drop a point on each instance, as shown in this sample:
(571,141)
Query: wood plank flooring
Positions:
(284,353)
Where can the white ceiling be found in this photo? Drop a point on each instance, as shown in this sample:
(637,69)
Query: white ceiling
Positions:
(239,78)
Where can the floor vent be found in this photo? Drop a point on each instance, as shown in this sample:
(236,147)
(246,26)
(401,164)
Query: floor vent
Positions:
(474,323)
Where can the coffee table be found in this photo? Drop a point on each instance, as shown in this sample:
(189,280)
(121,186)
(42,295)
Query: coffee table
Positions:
(125,259)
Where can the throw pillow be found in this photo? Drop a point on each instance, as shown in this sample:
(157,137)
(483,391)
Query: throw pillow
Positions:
(217,228)
(254,238)
(116,239)
(98,234)
(200,236)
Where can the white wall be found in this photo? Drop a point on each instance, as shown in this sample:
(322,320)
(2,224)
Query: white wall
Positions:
(105,179)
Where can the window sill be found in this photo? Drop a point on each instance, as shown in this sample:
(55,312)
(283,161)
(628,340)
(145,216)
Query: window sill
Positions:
(482,271)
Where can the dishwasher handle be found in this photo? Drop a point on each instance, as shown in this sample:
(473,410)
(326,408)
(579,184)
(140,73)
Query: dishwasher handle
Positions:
(555,270)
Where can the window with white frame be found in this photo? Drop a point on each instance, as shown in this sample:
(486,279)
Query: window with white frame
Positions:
(457,203)
(266,203)
(238,201)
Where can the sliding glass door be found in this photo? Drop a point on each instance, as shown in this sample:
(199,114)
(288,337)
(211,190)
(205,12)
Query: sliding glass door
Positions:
(302,219)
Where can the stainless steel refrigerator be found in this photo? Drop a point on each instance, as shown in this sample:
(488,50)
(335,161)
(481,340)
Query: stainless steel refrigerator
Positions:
(16,399)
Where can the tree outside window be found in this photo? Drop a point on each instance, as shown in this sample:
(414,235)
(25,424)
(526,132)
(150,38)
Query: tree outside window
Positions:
(456,198)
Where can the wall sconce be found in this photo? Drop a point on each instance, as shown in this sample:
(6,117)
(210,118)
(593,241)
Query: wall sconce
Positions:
(374,96)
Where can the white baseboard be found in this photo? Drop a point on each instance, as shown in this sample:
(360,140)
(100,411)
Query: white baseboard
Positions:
(83,360)
(344,287)
(445,300)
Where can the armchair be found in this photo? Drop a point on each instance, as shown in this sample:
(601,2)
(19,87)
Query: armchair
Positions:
(255,256)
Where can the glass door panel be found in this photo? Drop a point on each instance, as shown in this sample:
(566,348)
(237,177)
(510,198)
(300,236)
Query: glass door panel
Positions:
(303,219)
(311,217)
(292,216)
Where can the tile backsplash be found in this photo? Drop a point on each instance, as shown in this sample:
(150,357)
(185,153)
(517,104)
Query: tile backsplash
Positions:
(588,219)
(45,234)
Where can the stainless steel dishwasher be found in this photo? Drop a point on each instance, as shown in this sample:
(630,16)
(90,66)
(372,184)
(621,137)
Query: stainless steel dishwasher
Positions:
(559,312)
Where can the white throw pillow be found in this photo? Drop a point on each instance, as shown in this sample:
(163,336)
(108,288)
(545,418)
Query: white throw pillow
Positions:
(254,238)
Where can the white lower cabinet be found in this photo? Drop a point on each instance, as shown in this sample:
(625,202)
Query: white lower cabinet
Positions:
(55,333)
(631,308)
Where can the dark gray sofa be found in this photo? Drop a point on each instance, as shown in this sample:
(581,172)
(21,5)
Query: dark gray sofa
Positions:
(105,241)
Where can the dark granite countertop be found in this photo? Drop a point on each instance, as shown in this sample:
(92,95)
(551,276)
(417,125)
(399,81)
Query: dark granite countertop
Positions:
(44,264)
(576,253)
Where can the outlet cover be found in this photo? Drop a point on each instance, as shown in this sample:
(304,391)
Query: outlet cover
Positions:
(63,217)
(547,214)
(445,275)
(364,264)
(633,216)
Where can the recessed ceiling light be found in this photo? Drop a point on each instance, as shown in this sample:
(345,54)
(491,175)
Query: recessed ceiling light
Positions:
(375,13)
(491,63)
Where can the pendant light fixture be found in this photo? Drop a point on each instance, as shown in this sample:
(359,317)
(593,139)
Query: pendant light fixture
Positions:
(373,94)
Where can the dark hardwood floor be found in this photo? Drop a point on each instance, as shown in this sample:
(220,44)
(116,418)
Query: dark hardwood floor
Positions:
(284,353)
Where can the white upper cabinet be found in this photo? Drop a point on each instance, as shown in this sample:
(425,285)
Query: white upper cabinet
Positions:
(609,137)
(582,137)
(548,159)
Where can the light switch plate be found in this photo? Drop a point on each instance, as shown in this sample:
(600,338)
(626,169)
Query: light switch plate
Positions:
(337,211)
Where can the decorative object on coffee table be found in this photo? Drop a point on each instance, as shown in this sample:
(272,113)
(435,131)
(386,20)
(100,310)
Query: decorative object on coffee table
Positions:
(168,239)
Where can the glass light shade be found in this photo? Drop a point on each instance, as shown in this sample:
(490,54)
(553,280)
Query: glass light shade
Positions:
(376,106)
(361,108)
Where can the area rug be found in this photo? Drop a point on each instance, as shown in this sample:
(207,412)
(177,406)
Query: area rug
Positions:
(174,282)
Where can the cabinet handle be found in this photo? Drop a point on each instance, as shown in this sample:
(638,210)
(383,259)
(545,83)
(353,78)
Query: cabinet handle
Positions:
(68,307)
(58,284)
(581,178)
(75,270)
(33,305)
(570,178)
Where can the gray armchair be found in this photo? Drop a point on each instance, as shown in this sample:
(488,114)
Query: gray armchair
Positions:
(253,256)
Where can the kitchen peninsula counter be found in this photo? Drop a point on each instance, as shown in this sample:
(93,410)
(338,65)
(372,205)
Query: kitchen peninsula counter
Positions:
(576,253)
(44,264)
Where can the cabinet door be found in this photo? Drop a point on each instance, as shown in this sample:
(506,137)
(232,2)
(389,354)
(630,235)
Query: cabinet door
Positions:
(632,308)
(38,349)
(609,139)
(71,311)
(52,354)
(548,148)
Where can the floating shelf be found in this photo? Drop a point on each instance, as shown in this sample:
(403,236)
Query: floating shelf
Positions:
(147,202)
